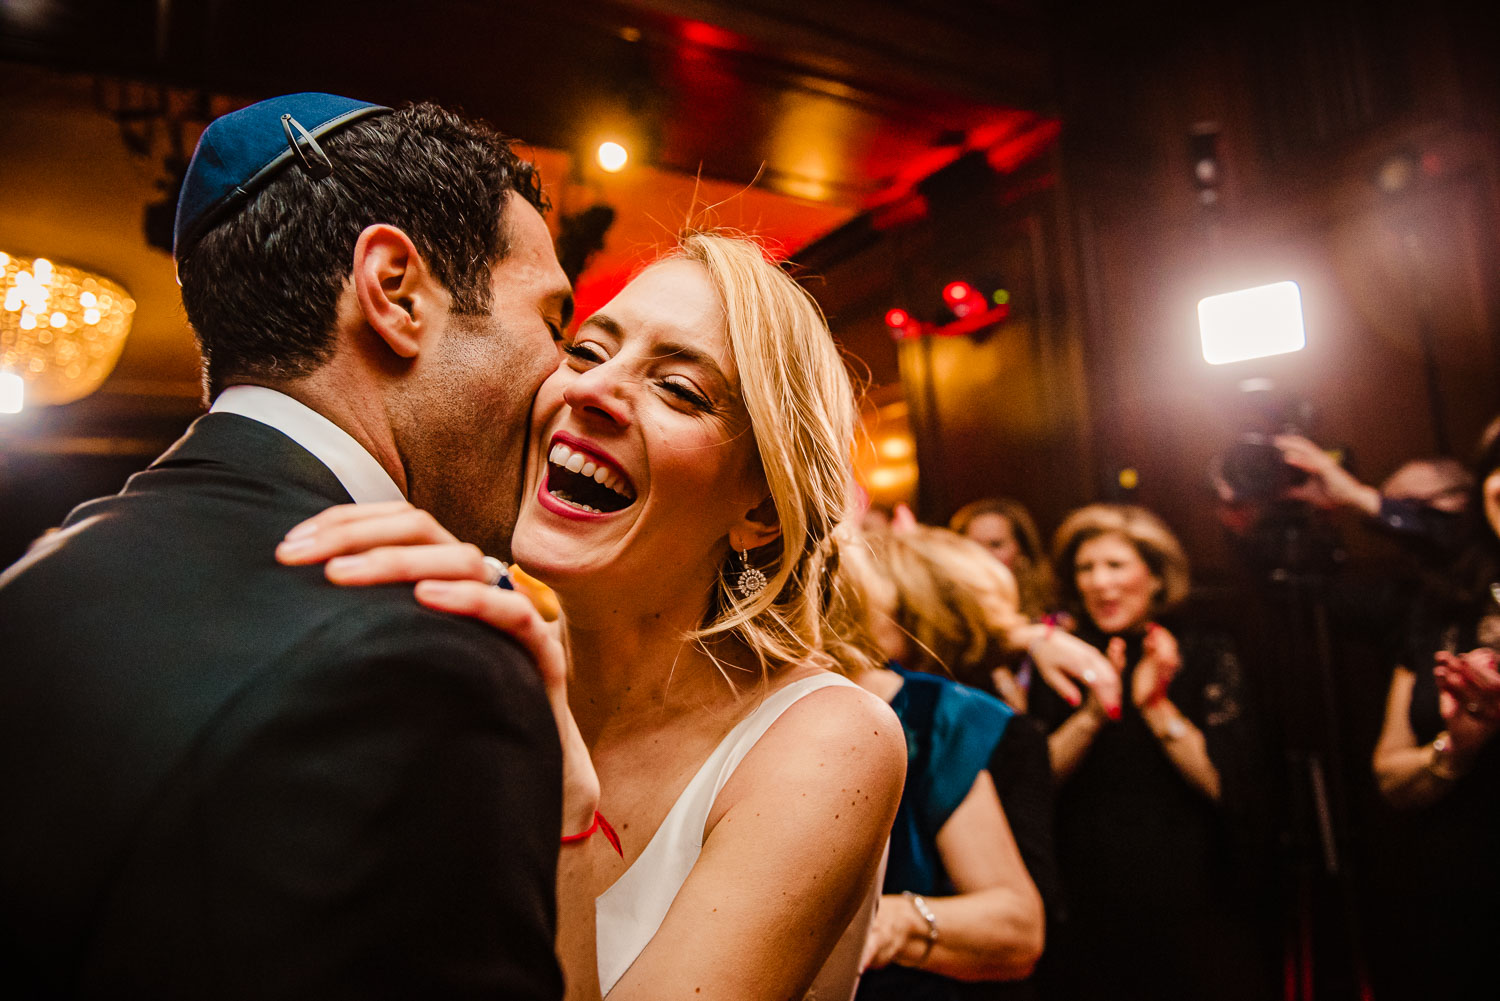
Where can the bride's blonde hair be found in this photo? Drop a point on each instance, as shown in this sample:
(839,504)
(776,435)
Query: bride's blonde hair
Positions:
(804,418)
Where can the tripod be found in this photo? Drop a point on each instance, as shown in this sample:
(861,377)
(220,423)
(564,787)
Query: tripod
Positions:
(1296,557)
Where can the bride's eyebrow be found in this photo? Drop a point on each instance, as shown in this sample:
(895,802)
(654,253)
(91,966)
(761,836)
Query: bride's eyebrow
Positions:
(608,324)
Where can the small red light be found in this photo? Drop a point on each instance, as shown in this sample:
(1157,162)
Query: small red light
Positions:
(957,291)
(897,318)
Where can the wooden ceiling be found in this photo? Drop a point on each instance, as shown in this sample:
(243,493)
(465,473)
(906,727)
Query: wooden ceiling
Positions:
(792,117)
(833,101)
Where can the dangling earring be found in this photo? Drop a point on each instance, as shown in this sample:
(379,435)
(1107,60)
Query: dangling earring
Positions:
(751,581)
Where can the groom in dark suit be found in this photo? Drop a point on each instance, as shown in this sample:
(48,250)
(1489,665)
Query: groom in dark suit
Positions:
(221,777)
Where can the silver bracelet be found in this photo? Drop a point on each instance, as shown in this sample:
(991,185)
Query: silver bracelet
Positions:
(920,904)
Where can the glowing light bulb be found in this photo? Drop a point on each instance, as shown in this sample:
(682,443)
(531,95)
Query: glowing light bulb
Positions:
(87,300)
(956,292)
(612,157)
(90,316)
(28,320)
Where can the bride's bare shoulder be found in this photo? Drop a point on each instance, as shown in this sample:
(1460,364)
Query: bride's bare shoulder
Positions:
(827,738)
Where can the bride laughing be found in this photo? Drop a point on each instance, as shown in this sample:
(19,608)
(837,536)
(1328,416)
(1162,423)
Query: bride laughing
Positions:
(690,460)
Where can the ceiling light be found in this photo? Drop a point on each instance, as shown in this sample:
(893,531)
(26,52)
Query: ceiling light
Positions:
(61,330)
(612,157)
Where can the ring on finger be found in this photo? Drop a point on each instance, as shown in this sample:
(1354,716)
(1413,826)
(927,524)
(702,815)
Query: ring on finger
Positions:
(496,574)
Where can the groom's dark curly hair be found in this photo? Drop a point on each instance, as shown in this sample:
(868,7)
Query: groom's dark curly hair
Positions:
(261,289)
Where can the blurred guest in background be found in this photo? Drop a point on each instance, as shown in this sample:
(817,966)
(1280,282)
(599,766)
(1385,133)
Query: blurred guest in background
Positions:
(1438,762)
(1006,529)
(960,907)
(1145,803)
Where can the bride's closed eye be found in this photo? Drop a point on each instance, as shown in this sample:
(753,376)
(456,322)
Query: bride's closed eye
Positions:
(584,351)
(589,353)
(683,390)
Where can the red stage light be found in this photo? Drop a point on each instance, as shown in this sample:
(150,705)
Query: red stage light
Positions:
(956,292)
(897,318)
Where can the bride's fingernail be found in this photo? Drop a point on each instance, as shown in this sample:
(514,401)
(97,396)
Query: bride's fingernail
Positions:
(294,547)
(302,531)
(346,564)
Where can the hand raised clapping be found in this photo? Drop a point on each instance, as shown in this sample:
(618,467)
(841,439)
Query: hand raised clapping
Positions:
(1159,664)
(1469,697)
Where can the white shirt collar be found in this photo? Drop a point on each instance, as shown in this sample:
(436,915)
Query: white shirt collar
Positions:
(364,478)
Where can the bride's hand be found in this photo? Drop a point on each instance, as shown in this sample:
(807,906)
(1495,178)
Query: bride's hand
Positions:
(394,542)
(384,543)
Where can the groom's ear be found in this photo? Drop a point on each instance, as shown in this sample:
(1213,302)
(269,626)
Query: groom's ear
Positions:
(396,291)
(759,527)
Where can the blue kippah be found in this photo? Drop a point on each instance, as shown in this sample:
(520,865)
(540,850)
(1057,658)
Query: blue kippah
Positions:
(244,149)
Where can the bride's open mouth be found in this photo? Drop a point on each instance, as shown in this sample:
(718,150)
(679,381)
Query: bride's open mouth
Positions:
(585,481)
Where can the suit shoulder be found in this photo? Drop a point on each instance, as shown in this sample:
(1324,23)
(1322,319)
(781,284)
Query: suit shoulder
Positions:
(388,625)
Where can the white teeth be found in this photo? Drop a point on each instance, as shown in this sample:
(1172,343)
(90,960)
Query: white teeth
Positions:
(577,462)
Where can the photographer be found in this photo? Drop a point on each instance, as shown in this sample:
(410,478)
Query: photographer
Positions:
(1423,502)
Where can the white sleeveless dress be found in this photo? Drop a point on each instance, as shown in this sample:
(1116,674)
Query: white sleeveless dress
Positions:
(630,911)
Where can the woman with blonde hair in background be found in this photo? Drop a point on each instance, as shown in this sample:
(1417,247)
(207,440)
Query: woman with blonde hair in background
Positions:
(689,462)
(1146,803)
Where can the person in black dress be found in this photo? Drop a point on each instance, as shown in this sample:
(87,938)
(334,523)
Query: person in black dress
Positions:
(1146,803)
(1438,765)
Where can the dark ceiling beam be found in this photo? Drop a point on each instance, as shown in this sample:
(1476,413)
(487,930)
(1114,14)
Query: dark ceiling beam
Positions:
(729,90)
(988,53)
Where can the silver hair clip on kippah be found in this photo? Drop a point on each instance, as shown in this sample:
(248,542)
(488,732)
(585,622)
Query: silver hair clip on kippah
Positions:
(309,153)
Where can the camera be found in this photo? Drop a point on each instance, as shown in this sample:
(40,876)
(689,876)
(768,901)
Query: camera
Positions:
(1255,469)
(1287,538)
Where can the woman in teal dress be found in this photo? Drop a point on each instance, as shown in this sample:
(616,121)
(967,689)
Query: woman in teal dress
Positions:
(961,916)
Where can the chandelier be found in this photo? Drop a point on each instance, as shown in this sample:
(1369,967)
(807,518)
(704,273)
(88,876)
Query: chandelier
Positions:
(61,331)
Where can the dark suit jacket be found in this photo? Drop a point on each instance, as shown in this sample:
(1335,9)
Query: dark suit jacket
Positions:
(225,778)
